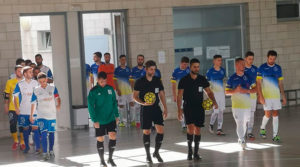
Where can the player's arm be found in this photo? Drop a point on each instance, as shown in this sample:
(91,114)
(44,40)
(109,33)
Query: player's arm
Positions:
(15,99)
(163,101)
(49,76)
(33,104)
(179,102)
(57,99)
(259,90)
(131,81)
(115,106)
(211,95)
(6,97)
(281,88)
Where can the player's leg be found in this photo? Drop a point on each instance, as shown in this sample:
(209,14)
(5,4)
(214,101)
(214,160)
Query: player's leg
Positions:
(240,126)
(276,137)
(137,108)
(215,114)
(159,126)
(146,120)
(25,123)
(132,110)
(190,138)
(51,137)
(264,123)
(43,126)
(100,132)
(199,118)
(122,110)
(111,128)
(36,137)
(13,120)
(251,119)
(22,143)
(221,105)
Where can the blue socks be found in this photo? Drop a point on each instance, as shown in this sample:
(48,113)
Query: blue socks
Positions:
(36,137)
(44,141)
(51,141)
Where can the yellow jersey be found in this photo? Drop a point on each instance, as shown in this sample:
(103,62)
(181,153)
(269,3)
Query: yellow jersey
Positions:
(9,89)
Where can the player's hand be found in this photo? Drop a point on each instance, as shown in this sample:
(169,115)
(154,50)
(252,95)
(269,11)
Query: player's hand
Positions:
(96,125)
(165,113)
(58,108)
(262,100)
(31,119)
(284,101)
(147,104)
(179,115)
(215,105)
(238,89)
(17,111)
(117,121)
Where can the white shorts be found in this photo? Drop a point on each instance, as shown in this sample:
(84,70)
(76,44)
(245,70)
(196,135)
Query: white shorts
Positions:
(272,104)
(241,114)
(220,99)
(253,104)
(124,99)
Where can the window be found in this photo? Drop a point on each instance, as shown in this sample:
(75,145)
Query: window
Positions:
(202,32)
(288,9)
(44,40)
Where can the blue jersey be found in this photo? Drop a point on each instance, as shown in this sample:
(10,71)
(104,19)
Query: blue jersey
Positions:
(270,76)
(179,73)
(136,73)
(240,100)
(157,73)
(87,71)
(94,71)
(252,73)
(216,79)
(122,75)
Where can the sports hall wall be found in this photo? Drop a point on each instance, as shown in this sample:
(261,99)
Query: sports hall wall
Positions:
(150,29)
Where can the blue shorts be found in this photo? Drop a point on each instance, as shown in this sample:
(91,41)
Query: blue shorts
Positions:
(46,125)
(23,121)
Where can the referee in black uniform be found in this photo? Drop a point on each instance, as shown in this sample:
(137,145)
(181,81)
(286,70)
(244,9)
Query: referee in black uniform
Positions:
(191,88)
(151,112)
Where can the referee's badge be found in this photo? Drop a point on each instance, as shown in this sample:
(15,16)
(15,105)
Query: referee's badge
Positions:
(200,89)
(109,92)
(156,90)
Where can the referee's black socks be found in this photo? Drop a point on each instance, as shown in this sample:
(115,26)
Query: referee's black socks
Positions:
(111,147)
(197,139)
(190,139)
(100,149)
(146,140)
(158,141)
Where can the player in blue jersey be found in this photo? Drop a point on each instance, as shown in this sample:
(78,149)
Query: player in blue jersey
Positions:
(124,90)
(177,74)
(215,76)
(270,90)
(251,71)
(136,73)
(94,68)
(44,69)
(239,86)
(88,75)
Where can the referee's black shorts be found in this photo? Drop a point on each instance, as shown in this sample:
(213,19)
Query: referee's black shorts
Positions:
(104,129)
(151,114)
(194,115)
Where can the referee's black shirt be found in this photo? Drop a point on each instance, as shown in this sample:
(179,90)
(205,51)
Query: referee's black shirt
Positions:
(193,89)
(144,86)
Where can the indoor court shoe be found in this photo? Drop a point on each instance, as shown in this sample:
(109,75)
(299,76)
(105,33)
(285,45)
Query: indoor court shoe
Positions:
(26,150)
(103,164)
(133,124)
(111,162)
(251,137)
(37,152)
(220,132)
(190,156)
(158,157)
(211,129)
(276,138)
(243,145)
(262,133)
(46,156)
(51,153)
(22,147)
(149,159)
(15,146)
(197,157)
(121,124)
(138,125)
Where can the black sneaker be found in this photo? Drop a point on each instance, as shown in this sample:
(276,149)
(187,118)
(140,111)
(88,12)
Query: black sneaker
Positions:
(197,157)
(149,159)
(103,164)
(190,156)
(111,162)
(158,157)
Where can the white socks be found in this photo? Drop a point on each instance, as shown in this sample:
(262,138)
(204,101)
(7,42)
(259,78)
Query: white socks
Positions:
(275,125)
(264,122)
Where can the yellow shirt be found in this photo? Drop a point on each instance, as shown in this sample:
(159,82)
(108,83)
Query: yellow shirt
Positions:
(9,89)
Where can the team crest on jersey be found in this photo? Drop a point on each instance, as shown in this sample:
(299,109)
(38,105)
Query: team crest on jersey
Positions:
(222,72)
(275,69)
(253,70)
(99,94)
(244,77)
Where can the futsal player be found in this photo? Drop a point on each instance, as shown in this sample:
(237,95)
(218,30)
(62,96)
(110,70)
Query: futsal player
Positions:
(109,69)
(270,90)
(239,86)
(45,99)
(191,88)
(215,76)
(103,109)
(94,67)
(177,74)
(43,68)
(151,112)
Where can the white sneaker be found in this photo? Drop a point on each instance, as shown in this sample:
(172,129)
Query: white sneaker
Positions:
(211,129)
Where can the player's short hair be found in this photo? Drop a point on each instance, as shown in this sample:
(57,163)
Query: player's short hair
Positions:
(98,54)
(150,63)
(185,59)
(38,55)
(36,68)
(217,56)
(19,61)
(121,56)
(140,55)
(25,69)
(106,53)
(102,75)
(194,60)
(41,75)
(249,53)
(237,60)
(28,62)
(17,67)
(272,53)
